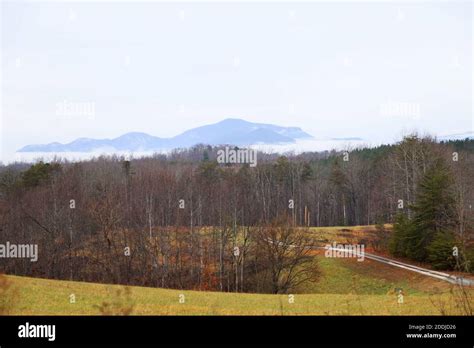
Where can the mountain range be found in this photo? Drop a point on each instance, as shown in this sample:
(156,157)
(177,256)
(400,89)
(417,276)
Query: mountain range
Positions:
(230,131)
(457,136)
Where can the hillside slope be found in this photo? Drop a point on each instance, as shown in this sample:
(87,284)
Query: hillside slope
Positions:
(34,296)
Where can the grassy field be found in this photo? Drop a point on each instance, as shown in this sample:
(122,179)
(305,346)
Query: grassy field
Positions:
(344,287)
(348,292)
(344,234)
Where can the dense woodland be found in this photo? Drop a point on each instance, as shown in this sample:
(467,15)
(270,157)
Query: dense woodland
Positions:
(184,221)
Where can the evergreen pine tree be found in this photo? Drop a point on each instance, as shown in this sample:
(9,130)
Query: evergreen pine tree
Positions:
(433,211)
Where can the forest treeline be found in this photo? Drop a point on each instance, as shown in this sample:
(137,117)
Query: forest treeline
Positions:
(183,220)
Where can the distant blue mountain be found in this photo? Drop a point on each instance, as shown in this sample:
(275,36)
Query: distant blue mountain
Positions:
(230,131)
(458,136)
(348,139)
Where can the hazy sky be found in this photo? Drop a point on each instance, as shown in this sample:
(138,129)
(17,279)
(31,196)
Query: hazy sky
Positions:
(335,69)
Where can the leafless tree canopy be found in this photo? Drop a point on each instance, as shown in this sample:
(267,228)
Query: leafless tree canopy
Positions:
(185,221)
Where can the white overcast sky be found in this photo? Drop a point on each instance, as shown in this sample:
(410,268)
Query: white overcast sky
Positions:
(163,67)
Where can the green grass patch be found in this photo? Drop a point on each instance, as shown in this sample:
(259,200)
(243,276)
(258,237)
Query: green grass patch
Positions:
(345,276)
(52,297)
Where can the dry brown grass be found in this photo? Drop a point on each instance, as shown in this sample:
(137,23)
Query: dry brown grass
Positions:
(8,295)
